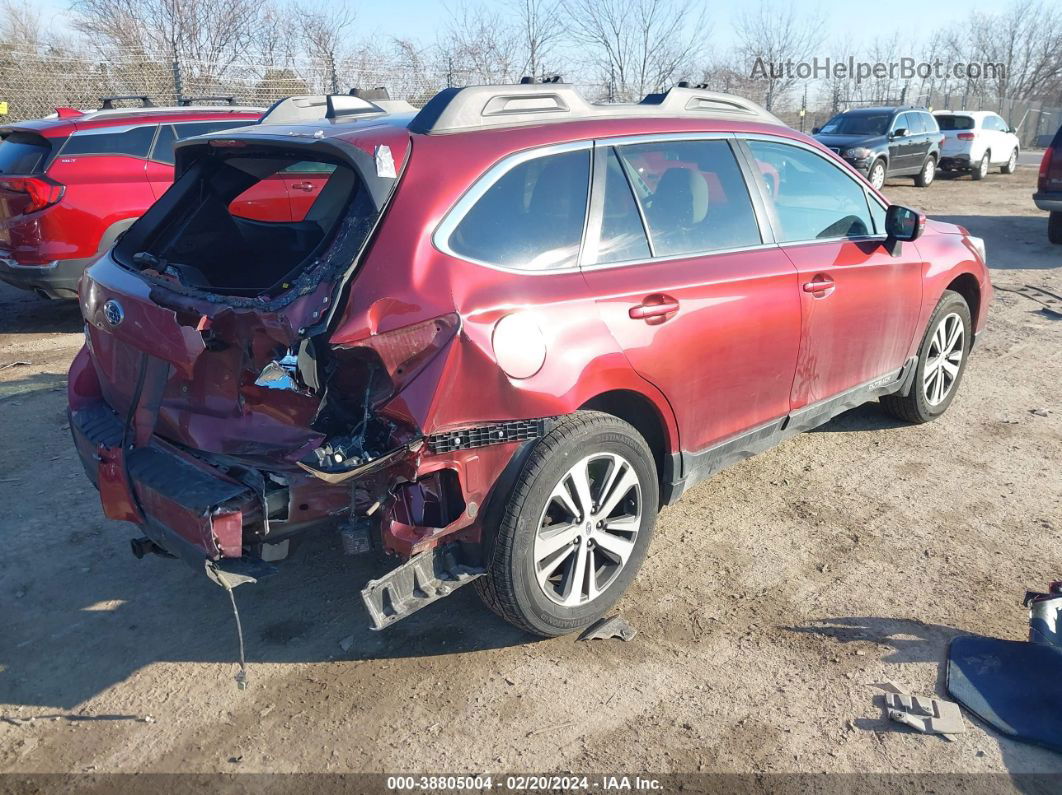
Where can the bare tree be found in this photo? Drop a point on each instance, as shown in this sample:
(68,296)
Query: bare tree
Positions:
(480,46)
(324,35)
(541,28)
(212,34)
(639,46)
(772,40)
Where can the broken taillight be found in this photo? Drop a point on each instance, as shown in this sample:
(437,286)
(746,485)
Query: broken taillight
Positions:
(405,351)
(42,192)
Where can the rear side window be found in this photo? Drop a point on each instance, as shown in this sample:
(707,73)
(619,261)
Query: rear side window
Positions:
(23,154)
(955,122)
(929,122)
(693,196)
(917,122)
(133,142)
(813,199)
(623,236)
(169,134)
(531,218)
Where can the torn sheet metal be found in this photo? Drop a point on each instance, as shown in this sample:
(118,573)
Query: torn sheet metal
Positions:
(927,715)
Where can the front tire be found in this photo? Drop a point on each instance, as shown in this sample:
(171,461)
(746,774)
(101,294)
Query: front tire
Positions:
(941,363)
(1011,165)
(1054,227)
(927,174)
(876,175)
(575,528)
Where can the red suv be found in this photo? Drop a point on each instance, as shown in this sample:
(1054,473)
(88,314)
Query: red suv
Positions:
(70,184)
(508,331)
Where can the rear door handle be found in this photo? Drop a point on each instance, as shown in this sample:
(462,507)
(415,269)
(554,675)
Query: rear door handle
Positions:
(306,186)
(654,309)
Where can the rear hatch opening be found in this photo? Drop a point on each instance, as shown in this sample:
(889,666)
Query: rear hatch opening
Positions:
(249,221)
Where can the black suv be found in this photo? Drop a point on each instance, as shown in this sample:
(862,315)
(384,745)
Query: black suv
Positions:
(885,142)
(1048,194)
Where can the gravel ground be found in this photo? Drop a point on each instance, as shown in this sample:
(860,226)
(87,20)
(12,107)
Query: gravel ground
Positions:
(774,597)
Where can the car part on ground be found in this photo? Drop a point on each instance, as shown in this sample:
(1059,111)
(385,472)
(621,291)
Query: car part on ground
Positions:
(485,352)
(606,628)
(926,715)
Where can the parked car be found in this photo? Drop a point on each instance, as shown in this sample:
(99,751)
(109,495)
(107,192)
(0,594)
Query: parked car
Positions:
(1048,194)
(72,183)
(976,140)
(885,142)
(511,327)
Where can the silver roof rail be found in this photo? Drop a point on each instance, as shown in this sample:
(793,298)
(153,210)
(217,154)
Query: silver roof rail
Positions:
(316,107)
(480,107)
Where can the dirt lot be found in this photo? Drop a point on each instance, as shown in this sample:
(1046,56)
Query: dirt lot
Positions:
(774,595)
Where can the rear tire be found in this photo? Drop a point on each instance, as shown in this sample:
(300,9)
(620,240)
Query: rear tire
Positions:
(1054,227)
(941,363)
(555,565)
(927,174)
(980,171)
(1011,165)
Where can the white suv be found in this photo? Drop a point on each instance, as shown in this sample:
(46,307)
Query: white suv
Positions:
(976,140)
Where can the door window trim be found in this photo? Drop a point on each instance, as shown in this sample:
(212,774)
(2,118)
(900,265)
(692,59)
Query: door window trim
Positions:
(592,239)
(868,193)
(455,215)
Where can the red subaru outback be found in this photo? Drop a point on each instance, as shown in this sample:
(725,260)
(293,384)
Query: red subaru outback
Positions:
(70,184)
(508,331)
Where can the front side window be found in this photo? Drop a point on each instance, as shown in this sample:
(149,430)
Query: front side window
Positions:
(692,195)
(813,199)
(531,218)
(903,122)
(134,142)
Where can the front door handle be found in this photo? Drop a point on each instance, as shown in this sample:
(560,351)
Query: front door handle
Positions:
(654,309)
(821,285)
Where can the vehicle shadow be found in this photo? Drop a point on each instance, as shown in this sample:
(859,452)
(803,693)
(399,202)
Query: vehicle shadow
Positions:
(1012,242)
(113,615)
(913,641)
(22,312)
(867,417)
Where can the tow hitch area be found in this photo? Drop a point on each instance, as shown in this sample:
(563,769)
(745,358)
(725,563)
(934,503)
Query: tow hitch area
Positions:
(421,580)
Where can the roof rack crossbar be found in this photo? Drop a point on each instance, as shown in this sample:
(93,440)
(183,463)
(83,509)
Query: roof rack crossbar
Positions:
(107,103)
(228,99)
(479,107)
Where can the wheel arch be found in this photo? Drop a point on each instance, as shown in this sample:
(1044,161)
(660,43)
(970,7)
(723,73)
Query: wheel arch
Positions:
(966,285)
(644,416)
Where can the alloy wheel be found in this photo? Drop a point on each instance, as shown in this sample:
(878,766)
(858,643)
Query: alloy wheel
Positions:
(944,358)
(588,528)
(929,171)
(877,176)
(1013,162)
(983,167)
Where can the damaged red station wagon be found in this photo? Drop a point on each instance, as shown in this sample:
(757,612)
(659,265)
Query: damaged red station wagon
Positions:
(509,329)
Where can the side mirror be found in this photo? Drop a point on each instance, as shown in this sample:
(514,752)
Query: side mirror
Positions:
(815,130)
(899,132)
(902,224)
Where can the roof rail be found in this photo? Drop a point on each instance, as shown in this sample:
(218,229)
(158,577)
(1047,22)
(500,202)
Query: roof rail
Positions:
(185,102)
(315,107)
(107,103)
(371,94)
(484,107)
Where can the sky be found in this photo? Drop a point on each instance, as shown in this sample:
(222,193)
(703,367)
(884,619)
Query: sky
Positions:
(420,19)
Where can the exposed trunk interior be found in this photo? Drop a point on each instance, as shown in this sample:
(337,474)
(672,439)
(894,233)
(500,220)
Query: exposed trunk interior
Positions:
(248,223)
